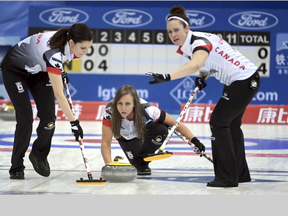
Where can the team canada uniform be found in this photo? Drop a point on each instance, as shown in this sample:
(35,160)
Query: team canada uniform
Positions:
(24,69)
(134,148)
(32,55)
(242,82)
(224,63)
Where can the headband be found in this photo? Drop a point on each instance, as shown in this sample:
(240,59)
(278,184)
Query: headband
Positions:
(179,18)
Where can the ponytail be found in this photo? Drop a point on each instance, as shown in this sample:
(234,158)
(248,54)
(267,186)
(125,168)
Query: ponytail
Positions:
(78,32)
(59,39)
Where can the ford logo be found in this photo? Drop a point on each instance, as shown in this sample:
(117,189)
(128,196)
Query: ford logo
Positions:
(253,20)
(199,19)
(63,16)
(127,18)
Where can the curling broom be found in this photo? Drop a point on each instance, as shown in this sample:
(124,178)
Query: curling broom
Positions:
(195,149)
(90,179)
(160,154)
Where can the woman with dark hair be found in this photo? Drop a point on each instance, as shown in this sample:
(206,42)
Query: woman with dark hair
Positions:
(35,65)
(139,127)
(211,55)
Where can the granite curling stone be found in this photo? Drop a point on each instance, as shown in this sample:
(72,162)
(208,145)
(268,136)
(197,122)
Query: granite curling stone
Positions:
(7,112)
(118,172)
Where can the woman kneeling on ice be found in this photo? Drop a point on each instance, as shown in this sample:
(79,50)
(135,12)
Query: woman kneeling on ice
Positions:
(139,127)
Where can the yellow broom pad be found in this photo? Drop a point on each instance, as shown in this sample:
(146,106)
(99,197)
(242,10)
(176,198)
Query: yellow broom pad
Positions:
(91,182)
(158,156)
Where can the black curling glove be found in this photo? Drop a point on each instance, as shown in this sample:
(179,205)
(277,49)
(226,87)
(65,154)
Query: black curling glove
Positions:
(64,76)
(198,144)
(76,130)
(158,78)
(200,82)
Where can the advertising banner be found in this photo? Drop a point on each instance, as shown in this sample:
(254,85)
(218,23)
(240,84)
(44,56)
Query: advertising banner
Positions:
(196,113)
(254,114)
(131,41)
(83,110)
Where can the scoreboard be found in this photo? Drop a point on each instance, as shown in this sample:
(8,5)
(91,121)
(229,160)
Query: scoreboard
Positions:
(127,51)
(138,51)
(131,41)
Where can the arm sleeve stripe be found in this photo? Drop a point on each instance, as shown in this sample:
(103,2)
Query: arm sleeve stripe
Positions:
(205,48)
(162,116)
(107,123)
(53,70)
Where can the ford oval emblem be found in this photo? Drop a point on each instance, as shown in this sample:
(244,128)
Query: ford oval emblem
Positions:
(253,20)
(127,18)
(199,19)
(63,16)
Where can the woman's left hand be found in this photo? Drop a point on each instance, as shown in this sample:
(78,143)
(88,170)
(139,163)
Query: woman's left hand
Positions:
(198,144)
(158,78)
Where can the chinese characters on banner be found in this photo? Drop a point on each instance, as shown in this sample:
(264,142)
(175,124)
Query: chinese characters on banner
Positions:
(83,110)
(282,53)
(254,114)
(196,113)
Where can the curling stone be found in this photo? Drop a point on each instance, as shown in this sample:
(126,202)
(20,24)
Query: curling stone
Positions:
(119,172)
(7,112)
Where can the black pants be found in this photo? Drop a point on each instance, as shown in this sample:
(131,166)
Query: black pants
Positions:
(137,149)
(18,87)
(227,138)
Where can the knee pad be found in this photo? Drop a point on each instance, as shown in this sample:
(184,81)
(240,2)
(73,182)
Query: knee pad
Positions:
(48,124)
(48,121)
(156,133)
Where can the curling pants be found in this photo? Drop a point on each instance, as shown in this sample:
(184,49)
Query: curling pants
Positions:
(228,151)
(18,87)
(137,149)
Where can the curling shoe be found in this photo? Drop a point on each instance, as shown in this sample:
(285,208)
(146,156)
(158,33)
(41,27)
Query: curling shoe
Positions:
(143,171)
(143,168)
(41,167)
(17,175)
(220,184)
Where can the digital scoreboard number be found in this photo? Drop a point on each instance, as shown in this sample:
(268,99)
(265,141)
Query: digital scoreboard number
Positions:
(127,52)
(138,51)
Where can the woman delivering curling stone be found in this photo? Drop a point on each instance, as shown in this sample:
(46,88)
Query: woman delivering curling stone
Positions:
(139,127)
(34,65)
(212,55)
